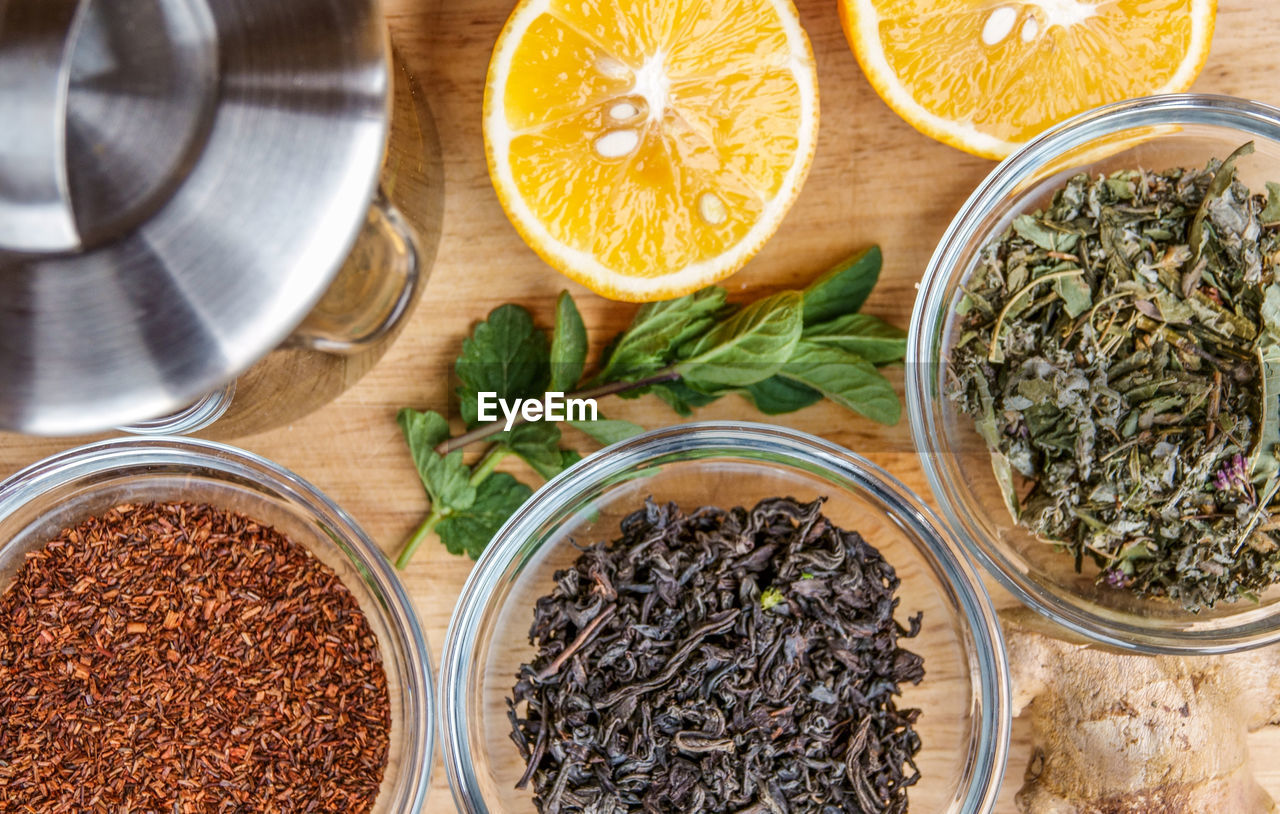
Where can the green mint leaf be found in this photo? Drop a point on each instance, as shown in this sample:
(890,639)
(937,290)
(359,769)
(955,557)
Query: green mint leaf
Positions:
(844,288)
(869,337)
(776,395)
(682,398)
(608,431)
(845,378)
(607,354)
(538,443)
(568,345)
(423,431)
(446,479)
(658,331)
(747,347)
(676,394)
(505,354)
(568,457)
(679,396)
(497,498)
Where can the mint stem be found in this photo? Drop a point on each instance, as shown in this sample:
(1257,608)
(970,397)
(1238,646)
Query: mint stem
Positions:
(480,433)
(484,468)
(489,463)
(423,531)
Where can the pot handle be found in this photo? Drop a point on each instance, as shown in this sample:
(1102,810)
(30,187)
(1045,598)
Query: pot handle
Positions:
(35,197)
(372,292)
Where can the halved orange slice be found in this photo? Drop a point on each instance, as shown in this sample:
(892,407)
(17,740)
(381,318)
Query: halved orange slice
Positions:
(988,75)
(647,148)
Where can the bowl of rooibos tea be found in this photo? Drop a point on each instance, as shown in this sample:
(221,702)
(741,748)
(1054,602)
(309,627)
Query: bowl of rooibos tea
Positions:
(186,626)
(1095,358)
(720,617)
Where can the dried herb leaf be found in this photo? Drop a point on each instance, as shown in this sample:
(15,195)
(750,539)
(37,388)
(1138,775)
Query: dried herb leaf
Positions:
(1127,407)
(1271,212)
(1076,295)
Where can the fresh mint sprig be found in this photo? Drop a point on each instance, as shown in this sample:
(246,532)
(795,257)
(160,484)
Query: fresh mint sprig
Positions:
(783,353)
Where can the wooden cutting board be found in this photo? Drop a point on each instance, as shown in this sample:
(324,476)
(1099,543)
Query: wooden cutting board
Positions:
(874,180)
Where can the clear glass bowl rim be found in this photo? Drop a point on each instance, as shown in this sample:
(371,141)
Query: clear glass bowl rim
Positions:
(929,318)
(991,682)
(31,483)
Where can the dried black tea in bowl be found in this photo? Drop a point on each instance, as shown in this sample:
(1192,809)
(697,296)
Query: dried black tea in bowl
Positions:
(720,661)
(1119,352)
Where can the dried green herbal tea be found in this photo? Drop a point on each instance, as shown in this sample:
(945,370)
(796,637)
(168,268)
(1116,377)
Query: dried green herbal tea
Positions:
(1119,353)
(720,661)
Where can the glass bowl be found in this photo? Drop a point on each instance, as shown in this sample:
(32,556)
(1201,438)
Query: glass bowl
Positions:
(1154,133)
(39,501)
(965,692)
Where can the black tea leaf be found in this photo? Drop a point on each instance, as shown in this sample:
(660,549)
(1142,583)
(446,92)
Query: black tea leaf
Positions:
(720,661)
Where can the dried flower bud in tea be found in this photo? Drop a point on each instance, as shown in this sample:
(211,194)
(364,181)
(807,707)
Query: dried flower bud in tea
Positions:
(720,661)
(1115,352)
(178,658)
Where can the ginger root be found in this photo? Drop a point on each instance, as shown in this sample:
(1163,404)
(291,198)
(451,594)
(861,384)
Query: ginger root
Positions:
(1117,733)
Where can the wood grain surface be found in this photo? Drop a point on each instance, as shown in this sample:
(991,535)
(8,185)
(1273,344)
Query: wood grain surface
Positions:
(874,180)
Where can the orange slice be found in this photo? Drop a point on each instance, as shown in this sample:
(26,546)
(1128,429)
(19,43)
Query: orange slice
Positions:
(647,148)
(988,75)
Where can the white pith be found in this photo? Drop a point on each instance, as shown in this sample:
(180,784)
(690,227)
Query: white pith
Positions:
(1001,20)
(865,26)
(1066,13)
(652,84)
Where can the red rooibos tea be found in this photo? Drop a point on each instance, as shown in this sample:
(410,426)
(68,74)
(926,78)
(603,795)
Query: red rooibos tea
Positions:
(178,658)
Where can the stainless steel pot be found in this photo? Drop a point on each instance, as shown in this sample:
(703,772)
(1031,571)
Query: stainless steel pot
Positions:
(187,187)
